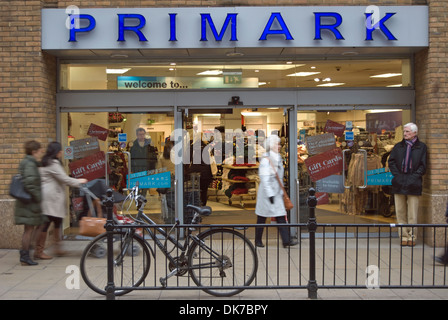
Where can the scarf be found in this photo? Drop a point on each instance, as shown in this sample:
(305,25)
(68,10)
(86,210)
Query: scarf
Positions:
(407,161)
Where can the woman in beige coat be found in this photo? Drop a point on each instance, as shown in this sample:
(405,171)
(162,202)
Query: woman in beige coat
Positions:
(54,180)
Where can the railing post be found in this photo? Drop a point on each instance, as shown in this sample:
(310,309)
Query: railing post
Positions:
(108,202)
(312,226)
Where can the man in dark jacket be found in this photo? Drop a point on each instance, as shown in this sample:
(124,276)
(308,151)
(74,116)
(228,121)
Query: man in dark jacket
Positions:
(143,155)
(407,163)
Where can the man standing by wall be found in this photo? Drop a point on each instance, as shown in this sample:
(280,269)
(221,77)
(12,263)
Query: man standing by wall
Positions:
(407,163)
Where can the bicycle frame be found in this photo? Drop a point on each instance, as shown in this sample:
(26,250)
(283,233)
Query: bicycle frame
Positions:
(143,218)
(174,261)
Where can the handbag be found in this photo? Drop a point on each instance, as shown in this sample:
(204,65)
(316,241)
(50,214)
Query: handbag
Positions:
(286,200)
(91,226)
(17,189)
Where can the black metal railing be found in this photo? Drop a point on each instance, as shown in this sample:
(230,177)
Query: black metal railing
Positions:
(326,256)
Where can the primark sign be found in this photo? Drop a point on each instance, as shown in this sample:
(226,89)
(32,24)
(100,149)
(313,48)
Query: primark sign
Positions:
(229,27)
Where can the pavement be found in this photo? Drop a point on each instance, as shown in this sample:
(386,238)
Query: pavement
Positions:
(59,279)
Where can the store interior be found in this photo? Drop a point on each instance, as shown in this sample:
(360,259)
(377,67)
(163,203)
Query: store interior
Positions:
(232,190)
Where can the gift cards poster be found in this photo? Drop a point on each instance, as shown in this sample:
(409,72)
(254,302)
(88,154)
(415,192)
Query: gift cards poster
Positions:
(325,161)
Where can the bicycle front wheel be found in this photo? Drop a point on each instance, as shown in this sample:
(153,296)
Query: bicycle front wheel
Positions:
(131,262)
(222,262)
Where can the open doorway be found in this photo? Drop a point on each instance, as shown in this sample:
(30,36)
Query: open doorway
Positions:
(235,138)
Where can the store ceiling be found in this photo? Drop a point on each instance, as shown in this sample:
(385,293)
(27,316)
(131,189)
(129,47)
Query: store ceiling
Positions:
(351,66)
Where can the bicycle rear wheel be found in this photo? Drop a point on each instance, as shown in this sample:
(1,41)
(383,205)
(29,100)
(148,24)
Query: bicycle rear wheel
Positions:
(225,260)
(131,262)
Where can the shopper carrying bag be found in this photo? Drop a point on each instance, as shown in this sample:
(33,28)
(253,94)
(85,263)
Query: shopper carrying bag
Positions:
(29,213)
(270,203)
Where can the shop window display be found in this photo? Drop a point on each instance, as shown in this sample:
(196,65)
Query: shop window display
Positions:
(98,147)
(344,156)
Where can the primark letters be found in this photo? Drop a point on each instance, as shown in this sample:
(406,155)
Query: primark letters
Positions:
(301,26)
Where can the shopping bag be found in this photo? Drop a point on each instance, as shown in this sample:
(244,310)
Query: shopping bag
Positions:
(91,226)
(17,189)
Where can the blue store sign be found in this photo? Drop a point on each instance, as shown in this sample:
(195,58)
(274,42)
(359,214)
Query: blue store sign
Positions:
(230,27)
(379,177)
(147,180)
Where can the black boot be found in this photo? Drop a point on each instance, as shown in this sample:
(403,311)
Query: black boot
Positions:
(258,237)
(25,259)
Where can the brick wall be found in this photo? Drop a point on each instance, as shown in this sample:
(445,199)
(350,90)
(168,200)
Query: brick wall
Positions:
(225,3)
(27,85)
(431,67)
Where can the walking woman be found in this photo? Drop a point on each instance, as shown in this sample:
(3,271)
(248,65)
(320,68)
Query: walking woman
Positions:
(54,179)
(30,214)
(270,194)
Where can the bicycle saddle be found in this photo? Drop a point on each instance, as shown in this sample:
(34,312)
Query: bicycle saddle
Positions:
(203,211)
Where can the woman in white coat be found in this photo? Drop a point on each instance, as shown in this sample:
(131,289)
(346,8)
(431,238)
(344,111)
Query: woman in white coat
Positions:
(53,183)
(270,194)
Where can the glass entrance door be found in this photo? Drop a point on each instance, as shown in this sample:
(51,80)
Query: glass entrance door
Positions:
(343,153)
(225,146)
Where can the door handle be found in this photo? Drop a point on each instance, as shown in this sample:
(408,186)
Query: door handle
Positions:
(343,167)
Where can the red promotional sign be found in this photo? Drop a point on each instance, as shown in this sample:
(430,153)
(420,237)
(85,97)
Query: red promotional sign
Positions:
(324,164)
(90,168)
(334,127)
(78,203)
(97,131)
(322,198)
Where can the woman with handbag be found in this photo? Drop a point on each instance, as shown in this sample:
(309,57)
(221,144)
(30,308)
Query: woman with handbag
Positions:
(270,202)
(29,213)
(54,180)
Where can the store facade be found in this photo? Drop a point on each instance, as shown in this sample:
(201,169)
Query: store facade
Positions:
(297,71)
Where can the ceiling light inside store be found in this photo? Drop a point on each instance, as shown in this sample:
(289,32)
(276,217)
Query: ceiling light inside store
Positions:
(251,114)
(395,85)
(210,73)
(302,74)
(331,84)
(386,75)
(117,71)
(382,110)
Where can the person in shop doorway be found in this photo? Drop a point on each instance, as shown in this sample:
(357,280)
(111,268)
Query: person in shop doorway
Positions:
(54,206)
(143,155)
(30,214)
(270,194)
(200,163)
(407,163)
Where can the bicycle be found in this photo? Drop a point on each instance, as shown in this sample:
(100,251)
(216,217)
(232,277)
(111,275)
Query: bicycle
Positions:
(221,261)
